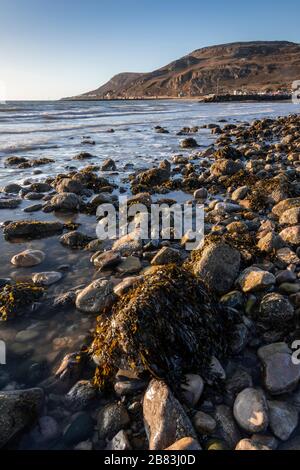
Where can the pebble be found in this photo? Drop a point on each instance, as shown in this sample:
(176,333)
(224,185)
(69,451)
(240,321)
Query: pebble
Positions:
(280,374)
(192,389)
(204,423)
(253,279)
(46,278)
(112,419)
(28,258)
(250,410)
(283,419)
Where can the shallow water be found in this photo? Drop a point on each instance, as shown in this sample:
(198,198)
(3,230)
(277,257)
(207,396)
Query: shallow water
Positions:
(56,130)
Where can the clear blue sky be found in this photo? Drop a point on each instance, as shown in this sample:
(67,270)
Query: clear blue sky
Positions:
(55,48)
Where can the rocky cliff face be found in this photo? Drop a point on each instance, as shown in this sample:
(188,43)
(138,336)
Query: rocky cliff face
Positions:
(245,66)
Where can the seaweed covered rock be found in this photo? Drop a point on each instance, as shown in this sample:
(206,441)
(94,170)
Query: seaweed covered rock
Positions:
(31,229)
(13,298)
(167,325)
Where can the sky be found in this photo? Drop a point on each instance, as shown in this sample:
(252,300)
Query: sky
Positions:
(55,48)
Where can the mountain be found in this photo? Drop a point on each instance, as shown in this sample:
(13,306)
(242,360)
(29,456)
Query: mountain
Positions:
(244,66)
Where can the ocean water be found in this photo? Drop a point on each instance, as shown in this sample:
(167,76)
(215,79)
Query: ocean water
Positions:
(57,129)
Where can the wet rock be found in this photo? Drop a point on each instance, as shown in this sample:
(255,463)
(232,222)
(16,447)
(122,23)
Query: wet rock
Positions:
(11,161)
(131,264)
(28,258)
(227,426)
(96,297)
(12,188)
(164,417)
(81,395)
(291,235)
(128,283)
(83,156)
(119,442)
(18,410)
(64,300)
(80,428)
(225,167)
(251,410)
(250,444)
(108,165)
(253,279)
(293,444)
(68,202)
(46,278)
(153,177)
(75,239)
(275,309)
(280,374)
(31,229)
(106,260)
(9,203)
(40,187)
(192,388)
(112,419)
(204,423)
(68,185)
(290,217)
(283,419)
(218,267)
(167,255)
(128,383)
(188,143)
(184,444)
(33,208)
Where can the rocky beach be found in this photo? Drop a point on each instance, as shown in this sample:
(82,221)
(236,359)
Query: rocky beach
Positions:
(143,344)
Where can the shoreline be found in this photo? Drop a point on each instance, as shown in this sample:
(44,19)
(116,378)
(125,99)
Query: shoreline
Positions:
(240,292)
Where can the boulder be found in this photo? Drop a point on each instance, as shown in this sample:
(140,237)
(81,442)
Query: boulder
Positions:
(218,266)
(65,202)
(96,297)
(165,419)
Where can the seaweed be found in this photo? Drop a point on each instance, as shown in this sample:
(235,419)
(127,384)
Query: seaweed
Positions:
(167,326)
(13,298)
